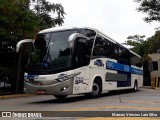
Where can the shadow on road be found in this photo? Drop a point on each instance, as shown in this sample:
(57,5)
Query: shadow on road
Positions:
(69,99)
(74,98)
(118,92)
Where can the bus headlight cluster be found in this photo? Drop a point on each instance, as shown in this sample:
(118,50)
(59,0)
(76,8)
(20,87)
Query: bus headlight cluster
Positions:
(64,77)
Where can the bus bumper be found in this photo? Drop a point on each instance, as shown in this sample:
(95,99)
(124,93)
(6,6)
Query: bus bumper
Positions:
(60,88)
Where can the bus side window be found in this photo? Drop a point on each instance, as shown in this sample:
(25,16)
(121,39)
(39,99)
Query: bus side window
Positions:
(110,49)
(99,47)
(136,61)
(124,56)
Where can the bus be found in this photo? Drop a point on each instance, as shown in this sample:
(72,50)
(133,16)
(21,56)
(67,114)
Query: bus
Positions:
(78,60)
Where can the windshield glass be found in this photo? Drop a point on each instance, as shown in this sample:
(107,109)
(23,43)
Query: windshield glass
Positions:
(50,52)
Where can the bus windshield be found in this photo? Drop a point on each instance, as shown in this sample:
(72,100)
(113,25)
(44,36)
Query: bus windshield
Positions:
(50,52)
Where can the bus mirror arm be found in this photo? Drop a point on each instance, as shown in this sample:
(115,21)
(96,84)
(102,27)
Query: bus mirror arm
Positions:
(73,37)
(18,46)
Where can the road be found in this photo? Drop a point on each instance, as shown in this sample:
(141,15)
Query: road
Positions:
(142,100)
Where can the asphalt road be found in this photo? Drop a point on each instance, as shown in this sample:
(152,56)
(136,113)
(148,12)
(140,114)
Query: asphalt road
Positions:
(143,100)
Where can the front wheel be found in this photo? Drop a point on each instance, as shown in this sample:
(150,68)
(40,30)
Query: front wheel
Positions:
(60,96)
(96,90)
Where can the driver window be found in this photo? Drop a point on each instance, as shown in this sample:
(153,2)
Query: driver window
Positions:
(80,53)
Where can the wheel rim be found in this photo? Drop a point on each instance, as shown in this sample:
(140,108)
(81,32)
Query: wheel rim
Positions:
(95,89)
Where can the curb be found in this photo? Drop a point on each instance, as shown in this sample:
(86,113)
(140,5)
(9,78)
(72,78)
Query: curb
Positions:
(15,96)
(157,88)
(149,87)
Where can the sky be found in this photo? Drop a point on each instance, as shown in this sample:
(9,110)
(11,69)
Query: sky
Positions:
(116,18)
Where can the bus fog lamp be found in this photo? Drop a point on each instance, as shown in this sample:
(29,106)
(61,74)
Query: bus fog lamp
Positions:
(64,88)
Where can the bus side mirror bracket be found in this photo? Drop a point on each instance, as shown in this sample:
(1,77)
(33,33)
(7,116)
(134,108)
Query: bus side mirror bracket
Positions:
(19,44)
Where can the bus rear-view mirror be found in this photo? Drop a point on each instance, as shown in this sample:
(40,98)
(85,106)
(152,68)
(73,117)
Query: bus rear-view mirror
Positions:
(73,37)
(22,42)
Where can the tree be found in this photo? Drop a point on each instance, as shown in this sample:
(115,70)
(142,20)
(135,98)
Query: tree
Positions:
(143,47)
(42,8)
(20,19)
(154,43)
(151,7)
(137,43)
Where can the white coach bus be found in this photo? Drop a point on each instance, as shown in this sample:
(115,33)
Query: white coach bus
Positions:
(79,60)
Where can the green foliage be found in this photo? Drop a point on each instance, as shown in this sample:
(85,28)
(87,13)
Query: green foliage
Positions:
(22,19)
(137,43)
(42,8)
(154,43)
(144,47)
(151,7)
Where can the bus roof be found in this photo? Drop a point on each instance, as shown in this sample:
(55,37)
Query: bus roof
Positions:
(62,28)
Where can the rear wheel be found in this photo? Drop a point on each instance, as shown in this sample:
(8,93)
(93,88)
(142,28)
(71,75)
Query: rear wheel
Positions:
(96,89)
(60,96)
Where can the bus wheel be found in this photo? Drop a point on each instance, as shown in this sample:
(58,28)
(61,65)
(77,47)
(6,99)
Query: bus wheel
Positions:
(135,86)
(60,96)
(96,89)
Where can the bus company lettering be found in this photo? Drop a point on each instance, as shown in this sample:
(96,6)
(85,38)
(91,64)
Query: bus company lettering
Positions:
(126,68)
(78,80)
(99,63)
(110,65)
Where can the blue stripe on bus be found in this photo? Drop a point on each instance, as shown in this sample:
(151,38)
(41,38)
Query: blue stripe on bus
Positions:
(31,76)
(121,67)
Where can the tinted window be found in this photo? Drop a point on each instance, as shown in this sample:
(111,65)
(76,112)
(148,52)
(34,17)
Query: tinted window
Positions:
(80,57)
(123,55)
(105,48)
(99,47)
(51,52)
(91,35)
(135,60)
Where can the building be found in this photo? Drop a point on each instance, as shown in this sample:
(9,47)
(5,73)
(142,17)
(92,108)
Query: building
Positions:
(154,68)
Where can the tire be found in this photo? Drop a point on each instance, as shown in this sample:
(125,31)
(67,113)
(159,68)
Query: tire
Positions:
(61,97)
(96,90)
(135,86)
